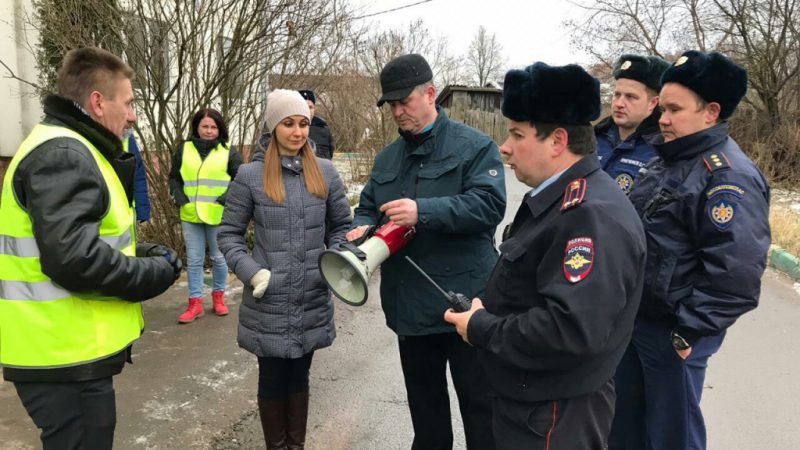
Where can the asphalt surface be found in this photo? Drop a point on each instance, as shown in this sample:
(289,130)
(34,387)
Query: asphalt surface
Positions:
(191,387)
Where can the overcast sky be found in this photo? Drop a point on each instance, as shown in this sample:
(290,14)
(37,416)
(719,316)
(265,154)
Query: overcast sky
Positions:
(529,30)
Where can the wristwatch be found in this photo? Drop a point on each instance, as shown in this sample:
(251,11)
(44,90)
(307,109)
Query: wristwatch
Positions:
(678,342)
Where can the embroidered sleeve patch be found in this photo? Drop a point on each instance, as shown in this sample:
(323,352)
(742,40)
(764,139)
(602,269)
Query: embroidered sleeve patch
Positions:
(727,188)
(722,212)
(578,258)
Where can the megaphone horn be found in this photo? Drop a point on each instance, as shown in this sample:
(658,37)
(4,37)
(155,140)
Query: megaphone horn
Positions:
(347,268)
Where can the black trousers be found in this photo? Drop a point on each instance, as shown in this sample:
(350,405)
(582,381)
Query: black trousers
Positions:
(77,415)
(424,360)
(280,377)
(578,423)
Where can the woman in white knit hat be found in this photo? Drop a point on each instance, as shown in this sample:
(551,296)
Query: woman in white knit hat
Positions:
(299,207)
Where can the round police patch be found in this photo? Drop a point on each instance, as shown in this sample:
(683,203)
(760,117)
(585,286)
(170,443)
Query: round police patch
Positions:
(625,182)
(722,212)
(578,258)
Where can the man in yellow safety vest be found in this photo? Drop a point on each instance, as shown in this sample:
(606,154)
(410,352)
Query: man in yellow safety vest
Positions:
(73,274)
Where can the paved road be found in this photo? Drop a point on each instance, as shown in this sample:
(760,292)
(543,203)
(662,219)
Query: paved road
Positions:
(191,387)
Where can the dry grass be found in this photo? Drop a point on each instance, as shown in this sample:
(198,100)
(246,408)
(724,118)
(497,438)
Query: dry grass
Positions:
(785,225)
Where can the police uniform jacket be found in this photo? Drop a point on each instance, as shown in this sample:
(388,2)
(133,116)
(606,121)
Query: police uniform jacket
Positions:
(456,176)
(624,160)
(320,135)
(561,301)
(705,209)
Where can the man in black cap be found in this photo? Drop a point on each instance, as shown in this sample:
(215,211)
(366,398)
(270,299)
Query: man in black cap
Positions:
(704,206)
(561,301)
(622,137)
(319,133)
(446,180)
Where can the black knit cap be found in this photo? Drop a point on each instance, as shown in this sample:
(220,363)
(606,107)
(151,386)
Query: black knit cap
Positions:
(308,94)
(401,75)
(644,69)
(712,76)
(565,95)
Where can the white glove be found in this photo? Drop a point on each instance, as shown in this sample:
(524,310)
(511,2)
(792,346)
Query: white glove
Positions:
(260,281)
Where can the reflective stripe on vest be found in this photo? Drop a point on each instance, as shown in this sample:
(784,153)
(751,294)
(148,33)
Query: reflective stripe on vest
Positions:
(43,325)
(204,180)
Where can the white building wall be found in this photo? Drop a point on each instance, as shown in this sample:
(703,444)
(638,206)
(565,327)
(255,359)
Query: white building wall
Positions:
(20,104)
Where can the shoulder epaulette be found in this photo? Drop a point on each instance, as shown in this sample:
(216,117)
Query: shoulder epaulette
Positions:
(574,194)
(716,161)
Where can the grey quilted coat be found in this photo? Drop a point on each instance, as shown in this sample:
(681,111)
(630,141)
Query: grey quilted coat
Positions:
(295,315)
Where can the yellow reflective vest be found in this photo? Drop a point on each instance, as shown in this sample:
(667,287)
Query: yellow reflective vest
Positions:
(43,325)
(204,180)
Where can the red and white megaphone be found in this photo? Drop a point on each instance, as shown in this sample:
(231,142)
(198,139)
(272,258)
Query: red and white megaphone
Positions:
(347,268)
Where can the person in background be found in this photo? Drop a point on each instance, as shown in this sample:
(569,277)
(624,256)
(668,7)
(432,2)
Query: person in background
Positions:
(73,276)
(623,138)
(561,301)
(298,204)
(140,191)
(201,171)
(705,209)
(319,133)
(447,180)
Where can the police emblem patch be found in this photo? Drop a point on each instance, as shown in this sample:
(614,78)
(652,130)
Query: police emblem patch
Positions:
(722,213)
(578,258)
(625,182)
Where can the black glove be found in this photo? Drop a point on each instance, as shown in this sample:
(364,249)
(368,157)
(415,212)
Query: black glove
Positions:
(170,255)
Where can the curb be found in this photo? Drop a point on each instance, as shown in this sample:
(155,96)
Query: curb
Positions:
(784,261)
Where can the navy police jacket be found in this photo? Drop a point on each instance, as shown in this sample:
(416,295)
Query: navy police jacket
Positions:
(625,160)
(705,209)
(456,176)
(562,298)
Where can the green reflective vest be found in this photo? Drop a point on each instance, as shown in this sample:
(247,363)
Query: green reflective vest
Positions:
(42,325)
(204,180)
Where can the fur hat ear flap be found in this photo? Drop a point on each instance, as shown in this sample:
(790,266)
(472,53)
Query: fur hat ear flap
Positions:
(562,95)
(712,76)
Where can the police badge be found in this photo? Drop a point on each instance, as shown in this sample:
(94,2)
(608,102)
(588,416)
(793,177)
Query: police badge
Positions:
(578,258)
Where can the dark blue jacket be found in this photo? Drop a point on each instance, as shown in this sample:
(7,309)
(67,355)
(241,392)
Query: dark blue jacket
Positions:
(561,302)
(140,191)
(705,209)
(455,174)
(624,160)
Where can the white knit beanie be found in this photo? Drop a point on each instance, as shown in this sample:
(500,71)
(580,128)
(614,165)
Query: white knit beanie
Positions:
(282,103)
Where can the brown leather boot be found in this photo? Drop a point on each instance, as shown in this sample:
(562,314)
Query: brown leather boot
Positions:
(273,422)
(296,420)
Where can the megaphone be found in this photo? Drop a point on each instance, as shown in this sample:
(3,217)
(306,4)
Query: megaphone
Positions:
(346,269)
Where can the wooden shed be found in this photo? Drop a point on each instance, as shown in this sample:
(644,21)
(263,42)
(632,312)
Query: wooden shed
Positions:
(478,107)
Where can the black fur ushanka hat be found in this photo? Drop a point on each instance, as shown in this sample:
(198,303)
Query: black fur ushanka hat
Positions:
(712,76)
(644,69)
(540,93)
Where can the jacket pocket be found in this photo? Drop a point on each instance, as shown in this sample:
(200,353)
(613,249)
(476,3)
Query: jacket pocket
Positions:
(439,178)
(658,275)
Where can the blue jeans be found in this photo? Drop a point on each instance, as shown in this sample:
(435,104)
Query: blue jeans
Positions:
(197,235)
(658,393)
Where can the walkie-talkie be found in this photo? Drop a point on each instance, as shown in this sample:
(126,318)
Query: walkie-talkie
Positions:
(459,302)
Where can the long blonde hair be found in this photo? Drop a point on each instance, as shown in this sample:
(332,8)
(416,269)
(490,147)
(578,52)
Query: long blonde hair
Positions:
(273,177)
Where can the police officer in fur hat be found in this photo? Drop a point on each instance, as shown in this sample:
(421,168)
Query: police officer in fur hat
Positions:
(319,133)
(622,137)
(704,206)
(560,304)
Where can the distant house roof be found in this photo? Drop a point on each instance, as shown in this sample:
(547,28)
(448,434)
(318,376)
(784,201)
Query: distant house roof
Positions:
(450,89)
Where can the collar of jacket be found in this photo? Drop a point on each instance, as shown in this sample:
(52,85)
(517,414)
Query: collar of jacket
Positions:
(555,192)
(414,142)
(317,121)
(204,146)
(293,163)
(646,130)
(74,117)
(692,145)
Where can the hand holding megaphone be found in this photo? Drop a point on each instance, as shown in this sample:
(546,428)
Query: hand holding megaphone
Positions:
(346,268)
